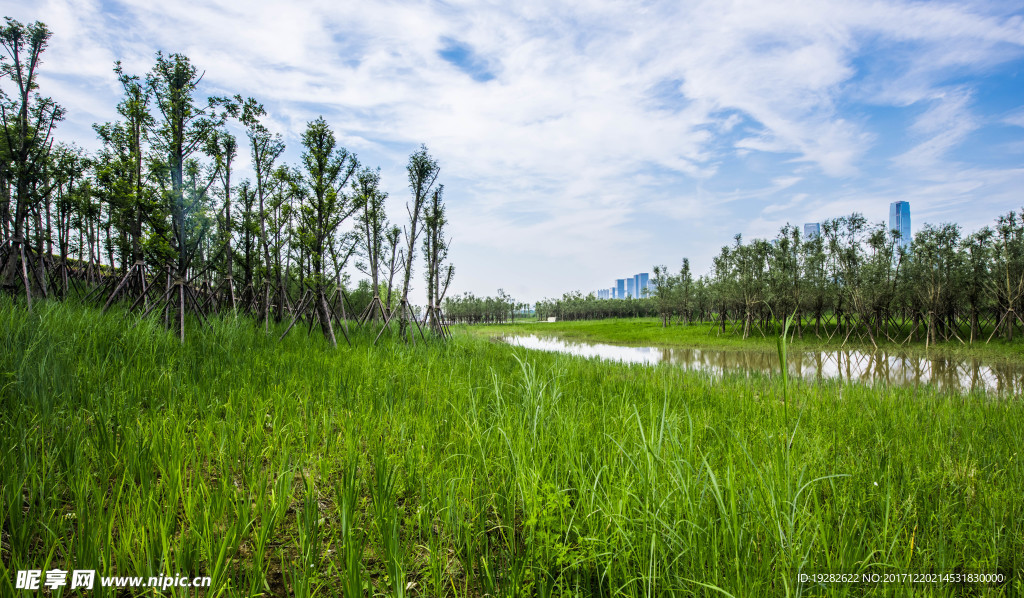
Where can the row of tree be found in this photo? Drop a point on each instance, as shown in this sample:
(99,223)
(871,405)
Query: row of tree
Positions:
(155,218)
(855,278)
(470,309)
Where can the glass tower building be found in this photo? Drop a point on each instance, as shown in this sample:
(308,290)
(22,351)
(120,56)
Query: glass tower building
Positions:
(645,283)
(630,287)
(620,288)
(812,230)
(899,221)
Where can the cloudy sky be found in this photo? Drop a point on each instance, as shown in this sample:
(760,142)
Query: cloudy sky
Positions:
(585,141)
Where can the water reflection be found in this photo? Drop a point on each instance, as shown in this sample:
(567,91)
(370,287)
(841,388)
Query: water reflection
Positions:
(838,364)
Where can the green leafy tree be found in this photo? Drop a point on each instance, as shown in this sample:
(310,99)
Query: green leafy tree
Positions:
(423,171)
(372,226)
(933,269)
(28,120)
(435,249)
(265,149)
(1007,280)
(665,289)
(328,170)
(976,277)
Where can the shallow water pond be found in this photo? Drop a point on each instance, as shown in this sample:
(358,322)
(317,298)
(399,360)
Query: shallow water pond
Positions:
(878,367)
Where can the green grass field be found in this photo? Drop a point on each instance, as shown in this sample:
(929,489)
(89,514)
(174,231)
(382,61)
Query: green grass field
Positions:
(473,469)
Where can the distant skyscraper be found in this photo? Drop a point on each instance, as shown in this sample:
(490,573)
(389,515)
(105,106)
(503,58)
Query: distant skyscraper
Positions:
(812,230)
(899,220)
(636,285)
(620,288)
(630,287)
(645,281)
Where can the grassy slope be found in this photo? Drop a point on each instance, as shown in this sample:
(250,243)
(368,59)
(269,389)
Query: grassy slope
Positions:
(473,468)
(649,332)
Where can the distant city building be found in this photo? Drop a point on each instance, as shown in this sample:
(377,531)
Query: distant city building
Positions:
(812,230)
(899,220)
(636,286)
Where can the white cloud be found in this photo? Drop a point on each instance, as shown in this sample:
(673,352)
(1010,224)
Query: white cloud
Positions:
(943,126)
(1016,119)
(566,130)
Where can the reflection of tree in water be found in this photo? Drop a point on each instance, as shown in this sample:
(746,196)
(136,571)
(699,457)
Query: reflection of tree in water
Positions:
(877,368)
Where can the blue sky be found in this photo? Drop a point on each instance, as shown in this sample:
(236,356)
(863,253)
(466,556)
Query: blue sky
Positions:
(582,142)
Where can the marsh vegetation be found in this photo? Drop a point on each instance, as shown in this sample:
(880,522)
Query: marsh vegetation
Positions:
(473,468)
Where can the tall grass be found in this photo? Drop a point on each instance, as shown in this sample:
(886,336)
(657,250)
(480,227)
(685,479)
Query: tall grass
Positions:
(471,469)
